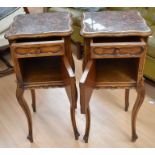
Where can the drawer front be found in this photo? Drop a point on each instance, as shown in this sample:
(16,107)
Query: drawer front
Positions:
(103,51)
(43,49)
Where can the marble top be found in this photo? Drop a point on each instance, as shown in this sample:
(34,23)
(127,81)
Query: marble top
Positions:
(40,25)
(114,23)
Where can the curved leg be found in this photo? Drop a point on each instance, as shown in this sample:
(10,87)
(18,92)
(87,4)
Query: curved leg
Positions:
(137,105)
(76,133)
(24,106)
(85,95)
(71,91)
(33,100)
(86,136)
(126,99)
(72,109)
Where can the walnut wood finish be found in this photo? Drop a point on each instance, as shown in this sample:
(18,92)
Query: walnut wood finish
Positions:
(33,100)
(42,58)
(111,49)
(53,48)
(115,47)
(136,107)
(24,106)
(127,99)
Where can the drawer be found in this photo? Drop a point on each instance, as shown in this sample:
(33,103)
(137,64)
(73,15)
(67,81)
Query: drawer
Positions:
(44,48)
(119,49)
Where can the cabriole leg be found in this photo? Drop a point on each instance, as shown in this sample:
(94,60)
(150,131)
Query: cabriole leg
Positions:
(137,105)
(71,91)
(24,106)
(33,100)
(86,136)
(126,99)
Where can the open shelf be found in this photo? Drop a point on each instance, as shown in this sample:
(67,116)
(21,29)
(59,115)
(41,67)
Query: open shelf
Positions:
(41,69)
(116,70)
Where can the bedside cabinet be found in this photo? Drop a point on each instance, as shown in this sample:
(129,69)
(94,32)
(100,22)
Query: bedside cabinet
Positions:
(115,50)
(41,52)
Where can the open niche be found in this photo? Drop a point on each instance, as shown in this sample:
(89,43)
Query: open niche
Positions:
(112,71)
(41,69)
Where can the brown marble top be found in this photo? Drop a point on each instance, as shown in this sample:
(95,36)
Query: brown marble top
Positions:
(114,23)
(38,25)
